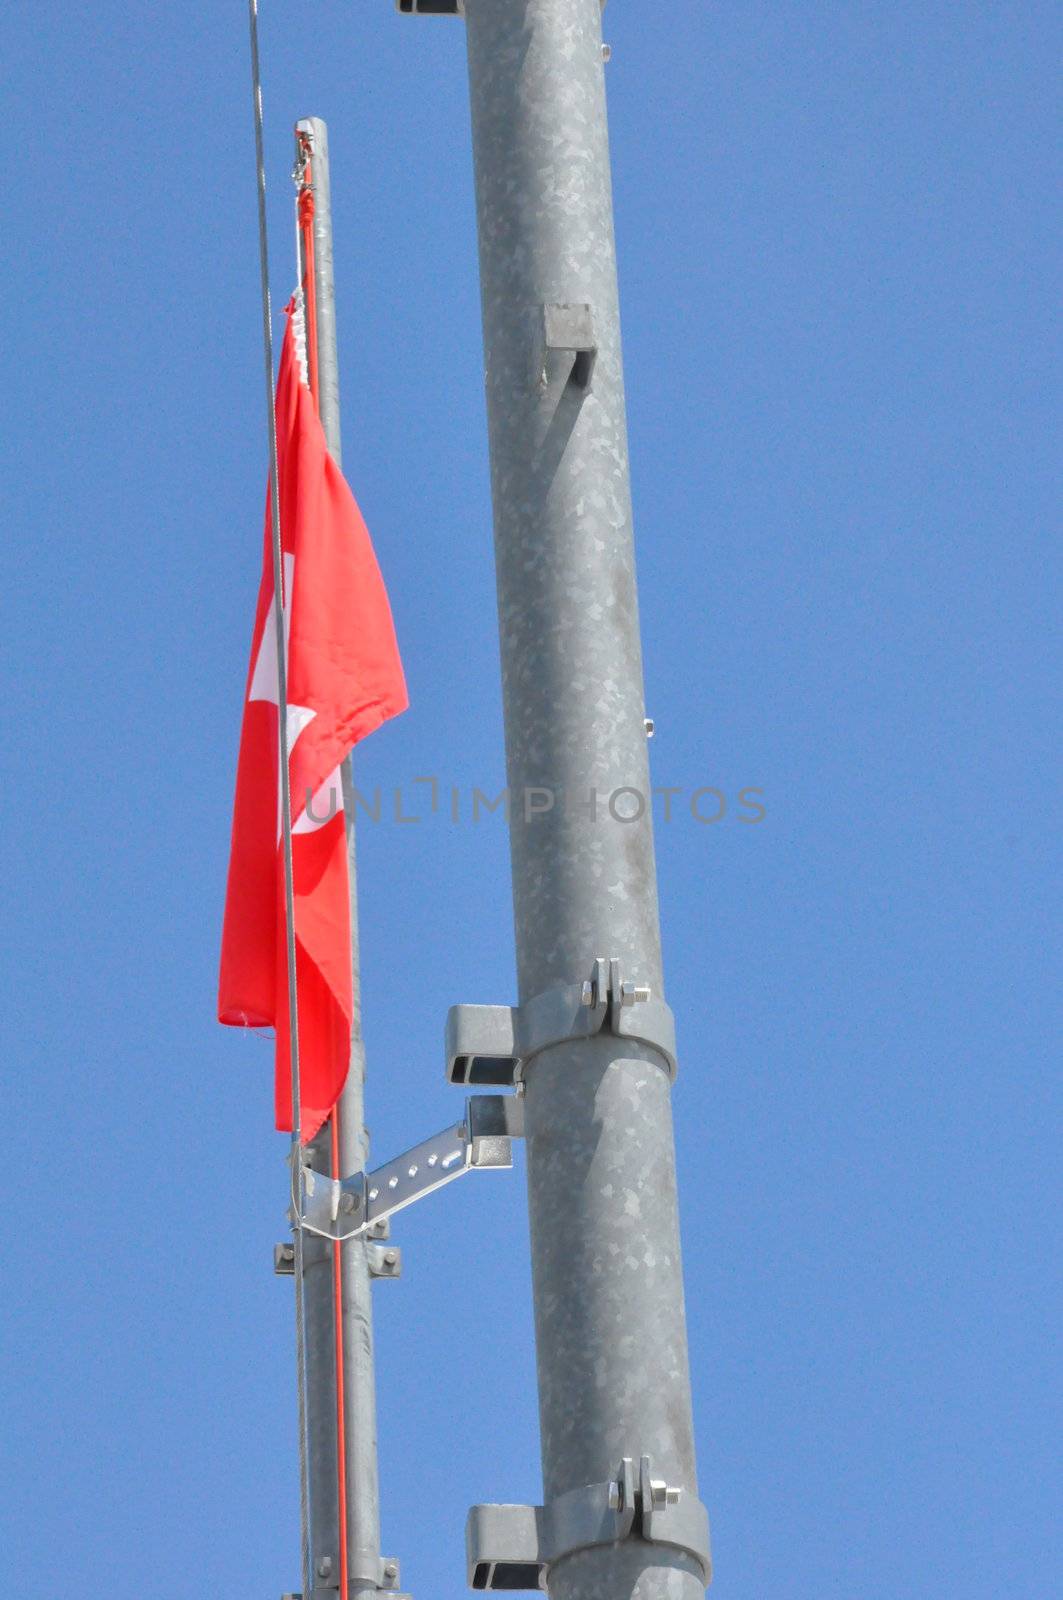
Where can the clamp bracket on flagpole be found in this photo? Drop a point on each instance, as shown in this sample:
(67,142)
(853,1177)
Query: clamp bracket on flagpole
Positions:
(347,1208)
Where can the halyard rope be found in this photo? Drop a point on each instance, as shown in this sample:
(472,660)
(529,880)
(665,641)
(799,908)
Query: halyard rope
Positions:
(279,608)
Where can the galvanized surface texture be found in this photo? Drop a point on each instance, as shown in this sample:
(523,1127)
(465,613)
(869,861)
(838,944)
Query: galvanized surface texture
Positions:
(611,1340)
(320,1338)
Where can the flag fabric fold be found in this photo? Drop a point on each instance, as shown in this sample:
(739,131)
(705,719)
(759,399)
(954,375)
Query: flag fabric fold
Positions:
(344,679)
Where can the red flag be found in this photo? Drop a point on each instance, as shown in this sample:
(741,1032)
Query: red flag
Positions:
(344,679)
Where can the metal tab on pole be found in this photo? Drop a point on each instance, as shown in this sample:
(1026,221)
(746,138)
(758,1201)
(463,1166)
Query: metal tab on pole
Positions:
(569,331)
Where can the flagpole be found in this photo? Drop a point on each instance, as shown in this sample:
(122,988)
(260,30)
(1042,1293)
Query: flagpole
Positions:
(363,1572)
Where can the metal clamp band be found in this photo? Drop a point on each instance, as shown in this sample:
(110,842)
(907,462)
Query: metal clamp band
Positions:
(493,1044)
(514,1547)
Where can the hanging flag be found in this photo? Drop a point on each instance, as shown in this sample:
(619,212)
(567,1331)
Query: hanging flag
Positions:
(344,679)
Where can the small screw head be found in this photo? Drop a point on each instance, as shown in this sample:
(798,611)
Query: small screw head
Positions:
(391,1571)
(391,1257)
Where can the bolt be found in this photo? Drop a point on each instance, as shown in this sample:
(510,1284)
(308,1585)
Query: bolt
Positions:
(632,993)
(391,1257)
(391,1571)
(650,727)
(348,1202)
(324,1567)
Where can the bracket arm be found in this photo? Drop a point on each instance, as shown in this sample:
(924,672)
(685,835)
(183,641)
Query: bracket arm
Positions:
(345,1208)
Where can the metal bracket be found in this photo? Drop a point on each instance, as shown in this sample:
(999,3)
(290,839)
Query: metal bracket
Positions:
(331,1594)
(493,1044)
(514,1547)
(345,1208)
(431,8)
(385,1260)
(379,1264)
(382,1580)
(569,330)
(435,8)
(327,1594)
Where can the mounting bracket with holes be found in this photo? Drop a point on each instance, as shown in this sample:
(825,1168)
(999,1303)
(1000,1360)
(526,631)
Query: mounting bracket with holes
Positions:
(346,1208)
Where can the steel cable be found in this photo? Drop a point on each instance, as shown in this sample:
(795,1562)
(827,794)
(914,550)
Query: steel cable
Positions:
(286,806)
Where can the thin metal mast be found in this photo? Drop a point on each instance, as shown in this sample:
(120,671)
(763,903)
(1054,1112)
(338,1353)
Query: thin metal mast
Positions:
(359,1515)
(613,1367)
(321,1400)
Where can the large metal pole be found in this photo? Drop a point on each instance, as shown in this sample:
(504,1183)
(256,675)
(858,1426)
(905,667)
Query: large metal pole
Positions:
(362,1502)
(610,1330)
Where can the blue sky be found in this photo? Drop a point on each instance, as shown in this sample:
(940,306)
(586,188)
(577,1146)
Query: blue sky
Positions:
(835,226)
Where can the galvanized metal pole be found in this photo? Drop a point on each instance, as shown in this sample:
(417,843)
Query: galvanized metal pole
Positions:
(611,1339)
(321,1433)
(365,1571)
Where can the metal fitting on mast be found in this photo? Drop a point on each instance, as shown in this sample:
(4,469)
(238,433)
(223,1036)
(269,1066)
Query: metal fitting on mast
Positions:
(435,8)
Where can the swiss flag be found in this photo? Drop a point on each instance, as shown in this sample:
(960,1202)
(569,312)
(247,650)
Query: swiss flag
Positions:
(344,679)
